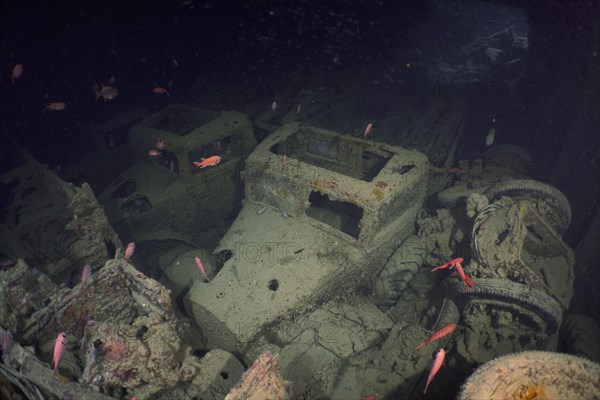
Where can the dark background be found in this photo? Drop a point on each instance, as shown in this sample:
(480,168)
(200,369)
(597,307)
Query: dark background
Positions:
(66,47)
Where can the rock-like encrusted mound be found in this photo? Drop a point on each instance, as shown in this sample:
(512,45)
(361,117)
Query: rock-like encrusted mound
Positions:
(534,374)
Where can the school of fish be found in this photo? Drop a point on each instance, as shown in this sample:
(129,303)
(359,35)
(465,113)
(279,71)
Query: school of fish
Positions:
(108,93)
(446,330)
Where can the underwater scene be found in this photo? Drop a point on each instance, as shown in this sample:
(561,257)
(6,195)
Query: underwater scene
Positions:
(297,199)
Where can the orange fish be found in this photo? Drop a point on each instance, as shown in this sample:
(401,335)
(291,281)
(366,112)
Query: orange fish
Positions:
(159,90)
(154,153)
(56,106)
(207,162)
(17,71)
(201,268)
(129,251)
(368,130)
(60,345)
(449,263)
(87,271)
(457,265)
(466,279)
(435,367)
(446,330)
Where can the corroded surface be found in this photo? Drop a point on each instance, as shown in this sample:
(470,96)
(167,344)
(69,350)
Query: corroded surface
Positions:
(262,381)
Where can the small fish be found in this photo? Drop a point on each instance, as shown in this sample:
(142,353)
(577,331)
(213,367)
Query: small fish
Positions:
(453,170)
(56,106)
(368,129)
(273,105)
(129,251)
(435,366)
(17,71)
(459,271)
(466,279)
(207,162)
(106,92)
(449,264)
(160,143)
(261,210)
(175,62)
(59,350)
(159,90)
(201,268)
(489,139)
(154,153)
(283,214)
(87,271)
(7,339)
(446,330)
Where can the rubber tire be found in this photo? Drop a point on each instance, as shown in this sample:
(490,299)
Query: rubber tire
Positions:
(530,189)
(514,293)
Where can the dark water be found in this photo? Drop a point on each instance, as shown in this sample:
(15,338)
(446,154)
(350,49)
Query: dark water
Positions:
(65,49)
